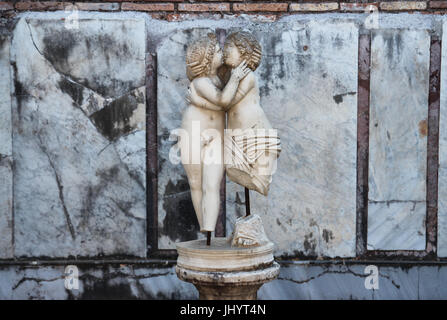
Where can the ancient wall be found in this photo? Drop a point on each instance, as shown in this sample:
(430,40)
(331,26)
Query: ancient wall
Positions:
(89,101)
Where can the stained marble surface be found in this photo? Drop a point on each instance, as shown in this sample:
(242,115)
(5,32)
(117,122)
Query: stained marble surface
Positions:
(398,139)
(6,201)
(303,280)
(308,85)
(402,229)
(79,138)
(5,95)
(6,228)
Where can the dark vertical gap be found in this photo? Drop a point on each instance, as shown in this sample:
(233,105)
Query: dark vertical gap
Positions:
(220,230)
(247,202)
(433,146)
(221,219)
(151,154)
(363,99)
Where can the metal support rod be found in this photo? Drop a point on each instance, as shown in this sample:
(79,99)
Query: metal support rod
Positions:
(208,238)
(247,202)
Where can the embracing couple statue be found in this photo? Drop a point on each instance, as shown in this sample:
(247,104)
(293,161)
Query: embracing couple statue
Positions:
(248,147)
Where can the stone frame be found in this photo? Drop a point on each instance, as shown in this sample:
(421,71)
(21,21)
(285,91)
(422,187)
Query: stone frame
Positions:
(430,252)
(152,160)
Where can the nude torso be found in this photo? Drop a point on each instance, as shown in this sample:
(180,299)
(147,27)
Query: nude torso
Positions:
(209,119)
(248,113)
(205,130)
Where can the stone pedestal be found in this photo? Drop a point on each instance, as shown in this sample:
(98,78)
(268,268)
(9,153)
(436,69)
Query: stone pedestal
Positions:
(223,272)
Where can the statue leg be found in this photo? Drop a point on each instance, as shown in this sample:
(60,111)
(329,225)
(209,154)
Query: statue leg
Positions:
(194,174)
(212,174)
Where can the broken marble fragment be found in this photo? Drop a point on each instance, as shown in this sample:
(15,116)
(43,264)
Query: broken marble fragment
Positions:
(248,232)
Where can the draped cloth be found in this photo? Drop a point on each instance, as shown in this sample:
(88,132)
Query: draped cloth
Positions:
(247,157)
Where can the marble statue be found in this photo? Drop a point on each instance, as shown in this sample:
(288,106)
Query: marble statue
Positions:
(247,149)
(249,143)
(204,163)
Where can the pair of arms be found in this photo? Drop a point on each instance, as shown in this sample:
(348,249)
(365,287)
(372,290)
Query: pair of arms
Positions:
(204,94)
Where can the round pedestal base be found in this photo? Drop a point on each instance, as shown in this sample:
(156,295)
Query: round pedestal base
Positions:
(223,272)
(236,285)
(221,256)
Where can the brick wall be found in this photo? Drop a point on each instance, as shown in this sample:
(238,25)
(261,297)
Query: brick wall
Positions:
(175,10)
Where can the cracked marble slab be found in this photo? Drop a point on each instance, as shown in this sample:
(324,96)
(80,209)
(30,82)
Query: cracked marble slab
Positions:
(295,282)
(398,139)
(6,225)
(5,94)
(308,86)
(6,202)
(309,282)
(125,282)
(403,229)
(79,119)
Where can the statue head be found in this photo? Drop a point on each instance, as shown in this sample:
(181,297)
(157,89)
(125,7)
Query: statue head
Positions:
(202,56)
(241,46)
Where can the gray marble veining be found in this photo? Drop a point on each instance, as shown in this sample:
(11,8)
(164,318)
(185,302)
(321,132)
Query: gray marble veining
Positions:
(308,82)
(398,139)
(442,173)
(6,224)
(79,128)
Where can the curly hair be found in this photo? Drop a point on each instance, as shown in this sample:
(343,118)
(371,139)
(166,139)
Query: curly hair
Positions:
(248,46)
(199,56)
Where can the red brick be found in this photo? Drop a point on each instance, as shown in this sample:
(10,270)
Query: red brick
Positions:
(277,7)
(403,5)
(358,7)
(46,5)
(438,4)
(204,7)
(147,6)
(172,17)
(314,7)
(88,6)
(6,6)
